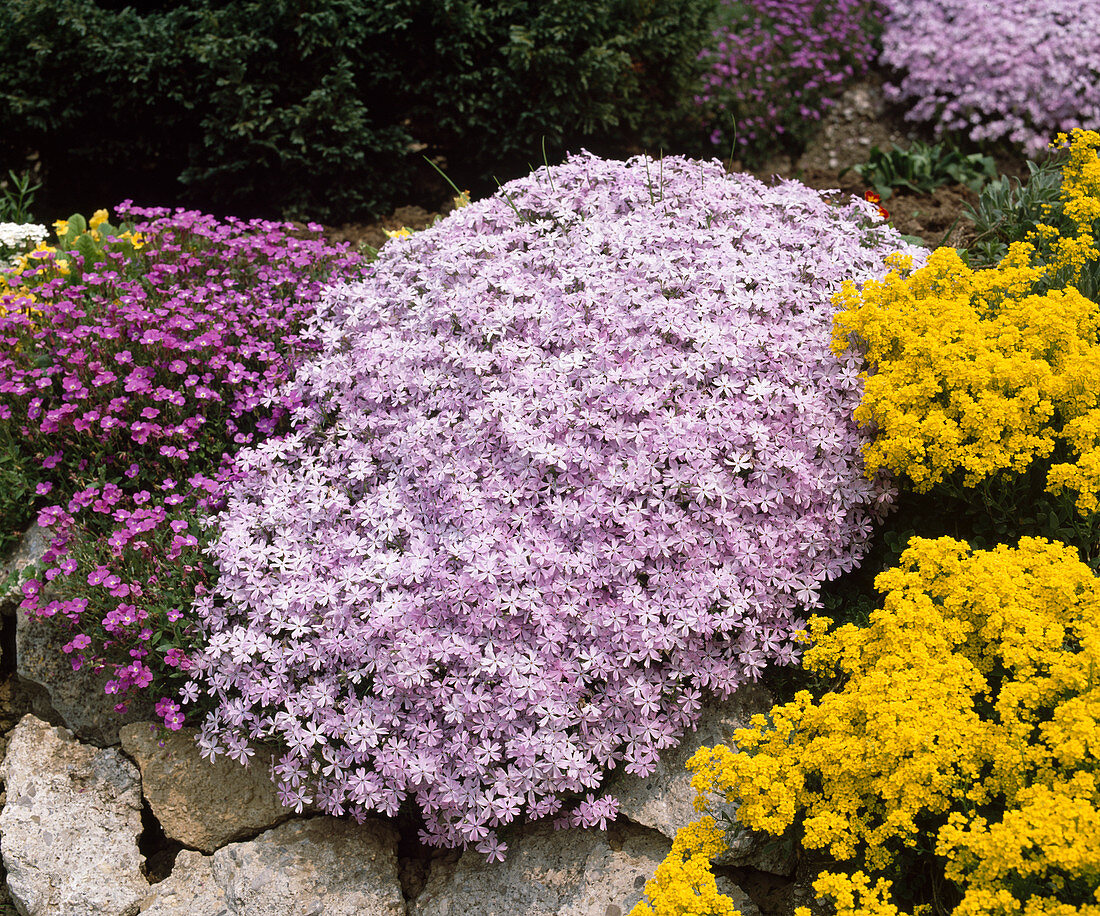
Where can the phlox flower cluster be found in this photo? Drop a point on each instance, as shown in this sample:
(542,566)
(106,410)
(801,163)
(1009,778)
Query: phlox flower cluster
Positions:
(125,391)
(776,66)
(996,69)
(566,459)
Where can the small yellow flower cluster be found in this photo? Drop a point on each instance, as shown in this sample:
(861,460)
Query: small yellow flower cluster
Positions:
(16,293)
(1081,176)
(976,371)
(462,199)
(684,884)
(968,720)
(45,262)
(853,895)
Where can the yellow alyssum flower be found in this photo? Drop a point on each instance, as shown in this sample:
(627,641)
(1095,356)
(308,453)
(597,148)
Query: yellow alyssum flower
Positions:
(684,884)
(967,721)
(983,372)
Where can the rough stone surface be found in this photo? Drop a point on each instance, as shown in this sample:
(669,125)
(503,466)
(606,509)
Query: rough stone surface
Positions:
(665,800)
(69,828)
(201,804)
(548,872)
(316,867)
(77,696)
(29,550)
(742,901)
(190,889)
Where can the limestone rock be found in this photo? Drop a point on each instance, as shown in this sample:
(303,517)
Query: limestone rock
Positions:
(548,872)
(28,551)
(665,800)
(69,829)
(320,866)
(77,696)
(201,804)
(190,889)
(741,900)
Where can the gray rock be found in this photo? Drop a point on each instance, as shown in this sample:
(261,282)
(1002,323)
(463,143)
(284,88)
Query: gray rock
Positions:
(190,889)
(665,800)
(201,804)
(77,696)
(742,901)
(548,872)
(28,551)
(316,867)
(69,829)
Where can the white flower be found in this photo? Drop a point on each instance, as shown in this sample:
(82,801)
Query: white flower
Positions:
(19,238)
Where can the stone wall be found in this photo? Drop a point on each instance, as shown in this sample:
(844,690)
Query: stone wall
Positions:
(106,816)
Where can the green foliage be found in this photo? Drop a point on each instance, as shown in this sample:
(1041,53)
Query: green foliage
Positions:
(1009,210)
(76,236)
(320,110)
(17,197)
(923,168)
(501,79)
(16,490)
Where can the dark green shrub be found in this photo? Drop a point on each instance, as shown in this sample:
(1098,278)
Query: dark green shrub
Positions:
(278,107)
(322,108)
(499,77)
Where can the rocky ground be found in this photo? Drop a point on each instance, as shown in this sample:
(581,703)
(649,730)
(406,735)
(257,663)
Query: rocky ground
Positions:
(105,815)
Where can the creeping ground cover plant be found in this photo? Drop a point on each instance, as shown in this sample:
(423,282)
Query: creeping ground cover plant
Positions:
(962,742)
(998,69)
(946,759)
(564,461)
(136,361)
(982,373)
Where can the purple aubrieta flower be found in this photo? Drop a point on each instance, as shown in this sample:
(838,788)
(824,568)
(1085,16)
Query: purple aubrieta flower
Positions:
(778,65)
(563,462)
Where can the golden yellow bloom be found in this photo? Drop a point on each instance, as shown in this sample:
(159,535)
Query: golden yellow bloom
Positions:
(135,238)
(98,218)
(978,373)
(968,721)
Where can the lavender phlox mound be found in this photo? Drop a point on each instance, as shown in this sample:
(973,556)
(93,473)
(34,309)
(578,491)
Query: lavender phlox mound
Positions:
(996,69)
(565,460)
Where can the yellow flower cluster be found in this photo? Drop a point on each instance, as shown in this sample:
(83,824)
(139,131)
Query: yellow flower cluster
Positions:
(977,371)
(47,261)
(462,199)
(968,720)
(684,884)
